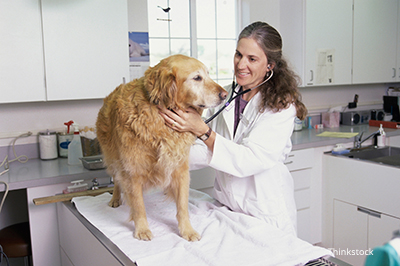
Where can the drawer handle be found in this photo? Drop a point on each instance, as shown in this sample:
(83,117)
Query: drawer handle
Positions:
(286,163)
(369,212)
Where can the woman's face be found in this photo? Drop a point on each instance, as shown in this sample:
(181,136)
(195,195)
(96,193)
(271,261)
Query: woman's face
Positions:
(251,63)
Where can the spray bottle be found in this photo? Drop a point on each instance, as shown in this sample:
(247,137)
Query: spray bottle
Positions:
(75,148)
(381,137)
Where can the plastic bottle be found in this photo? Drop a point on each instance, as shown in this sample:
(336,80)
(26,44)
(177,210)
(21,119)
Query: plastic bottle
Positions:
(381,137)
(75,148)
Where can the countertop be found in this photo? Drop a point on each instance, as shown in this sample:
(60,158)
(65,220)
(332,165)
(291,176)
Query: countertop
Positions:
(37,172)
(307,138)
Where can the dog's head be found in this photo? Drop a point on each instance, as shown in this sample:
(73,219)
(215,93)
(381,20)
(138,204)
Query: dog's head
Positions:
(180,82)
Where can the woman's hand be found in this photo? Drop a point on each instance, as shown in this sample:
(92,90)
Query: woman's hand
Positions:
(184,121)
(187,121)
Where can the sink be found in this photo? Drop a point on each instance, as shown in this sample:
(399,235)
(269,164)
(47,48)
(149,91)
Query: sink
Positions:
(386,155)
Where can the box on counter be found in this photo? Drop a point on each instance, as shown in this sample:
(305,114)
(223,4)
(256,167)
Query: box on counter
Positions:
(90,144)
(330,120)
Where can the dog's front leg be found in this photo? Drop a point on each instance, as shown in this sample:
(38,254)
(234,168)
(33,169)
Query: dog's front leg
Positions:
(116,196)
(181,194)
(138,211)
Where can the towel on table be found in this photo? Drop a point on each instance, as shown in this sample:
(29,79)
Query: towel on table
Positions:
(228,238)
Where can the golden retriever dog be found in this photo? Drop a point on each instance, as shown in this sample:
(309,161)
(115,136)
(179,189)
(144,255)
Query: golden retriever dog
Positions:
(140,150)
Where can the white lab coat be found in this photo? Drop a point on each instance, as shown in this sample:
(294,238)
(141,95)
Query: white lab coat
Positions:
(251,177)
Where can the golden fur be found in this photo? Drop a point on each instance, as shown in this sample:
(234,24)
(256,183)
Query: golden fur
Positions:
(140,151)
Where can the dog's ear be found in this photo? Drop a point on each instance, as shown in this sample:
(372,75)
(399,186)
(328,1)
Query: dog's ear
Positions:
(161,85)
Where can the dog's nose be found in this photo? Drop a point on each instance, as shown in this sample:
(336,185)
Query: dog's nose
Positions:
(223,95)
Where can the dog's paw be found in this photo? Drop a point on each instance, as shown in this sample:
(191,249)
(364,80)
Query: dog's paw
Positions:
(143,234)
(191,235)
(114,203)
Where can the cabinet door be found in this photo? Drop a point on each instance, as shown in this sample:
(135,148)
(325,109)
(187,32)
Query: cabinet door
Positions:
(350,228)
(328,42)
(21,52)
(398,41)
(380,229)
(375,41)
(86,47)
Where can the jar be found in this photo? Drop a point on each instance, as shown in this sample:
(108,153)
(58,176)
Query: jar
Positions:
(48,145)
(298,124)
(64,140)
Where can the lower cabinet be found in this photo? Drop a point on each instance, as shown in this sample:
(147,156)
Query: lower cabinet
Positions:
(300,164)
(79,246)
(357,230)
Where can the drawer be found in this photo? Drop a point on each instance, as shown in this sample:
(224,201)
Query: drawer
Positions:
(302,199)
(303,224)
(300,159)
(301,178)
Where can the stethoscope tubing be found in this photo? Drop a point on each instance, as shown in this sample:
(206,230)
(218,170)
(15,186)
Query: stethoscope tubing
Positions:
(231,98)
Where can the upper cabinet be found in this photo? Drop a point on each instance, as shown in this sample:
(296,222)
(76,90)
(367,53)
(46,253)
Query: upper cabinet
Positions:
(62,50)
(335,42)
(398,42)
(328,42)
(21,52)
(317,39)
(375,41)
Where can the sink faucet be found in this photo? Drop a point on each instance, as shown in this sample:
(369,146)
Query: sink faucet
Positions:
(358,141)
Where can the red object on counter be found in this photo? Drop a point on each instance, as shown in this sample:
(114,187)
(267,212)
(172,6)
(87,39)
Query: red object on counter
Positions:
(386,124)
(68,124)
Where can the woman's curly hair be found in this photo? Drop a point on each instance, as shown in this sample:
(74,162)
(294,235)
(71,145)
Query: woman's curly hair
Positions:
(282,89)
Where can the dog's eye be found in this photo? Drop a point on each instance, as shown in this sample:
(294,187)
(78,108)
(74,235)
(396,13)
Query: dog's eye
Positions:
(198,78)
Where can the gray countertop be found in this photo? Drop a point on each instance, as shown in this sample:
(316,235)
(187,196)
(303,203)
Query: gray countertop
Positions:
(37,172)
(307,138)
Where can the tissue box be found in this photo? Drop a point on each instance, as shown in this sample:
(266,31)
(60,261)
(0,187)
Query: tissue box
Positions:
(331,119)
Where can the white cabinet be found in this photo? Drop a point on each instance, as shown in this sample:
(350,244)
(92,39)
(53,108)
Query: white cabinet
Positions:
(328,42)
(358,230)
(342,41)
(316,42)
(86,47)
(21,52)
(375,41)
(350,232)
(300,163)
(398,42)
(78,246)
(62,50)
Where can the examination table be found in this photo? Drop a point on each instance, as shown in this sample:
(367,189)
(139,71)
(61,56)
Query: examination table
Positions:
(92,233)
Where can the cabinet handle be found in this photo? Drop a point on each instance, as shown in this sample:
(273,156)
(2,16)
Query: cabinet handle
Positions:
(369,212)
(312,75)
(123,80)
(286,163)
(394,72)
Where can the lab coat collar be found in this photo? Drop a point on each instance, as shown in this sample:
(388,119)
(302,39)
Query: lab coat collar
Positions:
(249,115)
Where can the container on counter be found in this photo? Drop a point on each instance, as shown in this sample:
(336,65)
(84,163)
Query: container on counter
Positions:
(75,148)
(298,124)
(64,139)
(48,145)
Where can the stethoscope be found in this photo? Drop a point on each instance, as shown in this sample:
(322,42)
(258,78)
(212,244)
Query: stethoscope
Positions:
(231,98)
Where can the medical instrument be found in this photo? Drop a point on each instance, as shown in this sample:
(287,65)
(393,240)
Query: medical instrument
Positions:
(231,98)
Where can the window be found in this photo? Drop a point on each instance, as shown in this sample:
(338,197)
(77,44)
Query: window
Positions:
(204,29)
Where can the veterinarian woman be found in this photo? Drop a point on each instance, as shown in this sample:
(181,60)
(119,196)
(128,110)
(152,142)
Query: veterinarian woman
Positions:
(249,141)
